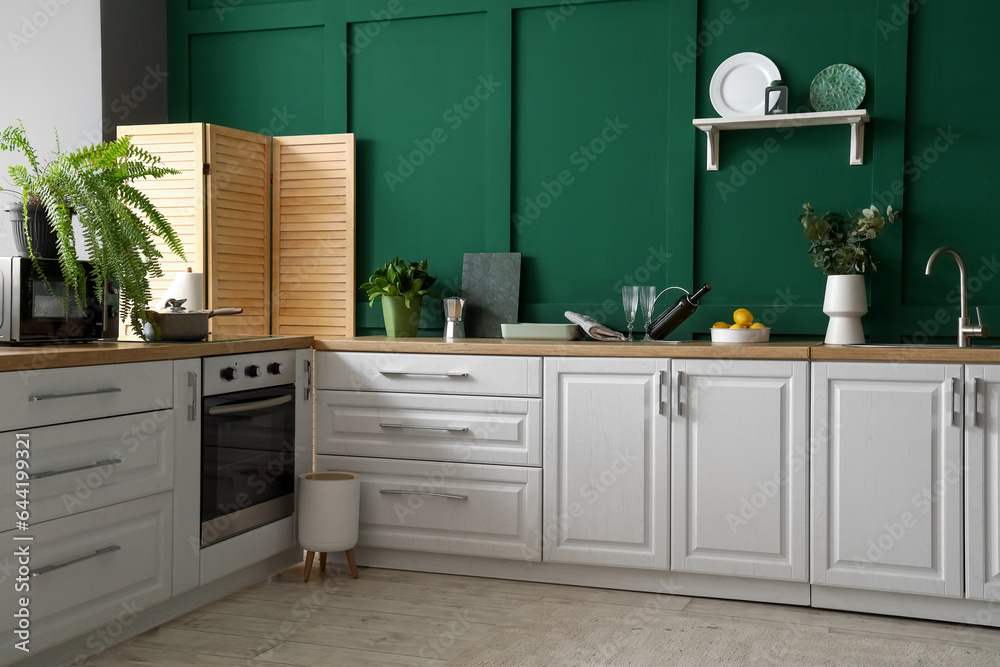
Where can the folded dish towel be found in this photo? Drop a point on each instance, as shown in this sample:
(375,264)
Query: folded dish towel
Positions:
(594,329)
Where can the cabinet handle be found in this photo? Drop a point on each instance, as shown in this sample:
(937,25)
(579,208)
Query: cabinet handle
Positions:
(660,393)
(449,429)
(49,397)
(954,397)
(51,568)
(309,379)
(401,492)
(680,384)
(439,375)
(979,385)
(193,408)
(96,464)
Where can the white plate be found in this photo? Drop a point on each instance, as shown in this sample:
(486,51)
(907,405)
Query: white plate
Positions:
(737,87)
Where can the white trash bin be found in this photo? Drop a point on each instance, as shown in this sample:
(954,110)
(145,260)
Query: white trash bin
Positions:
(329,505)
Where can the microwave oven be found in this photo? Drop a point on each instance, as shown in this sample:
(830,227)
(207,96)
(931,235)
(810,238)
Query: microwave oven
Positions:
(35,307)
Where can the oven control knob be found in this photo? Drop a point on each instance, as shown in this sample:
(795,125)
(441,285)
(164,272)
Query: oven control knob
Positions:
(253,371)
(228,374)
(275,368)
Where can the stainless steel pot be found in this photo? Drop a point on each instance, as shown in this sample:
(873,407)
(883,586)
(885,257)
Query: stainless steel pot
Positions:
(177,323)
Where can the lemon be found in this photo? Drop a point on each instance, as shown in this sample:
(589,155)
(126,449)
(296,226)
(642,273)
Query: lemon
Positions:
(757,325)
(739,326)
(743,316)
(720,325)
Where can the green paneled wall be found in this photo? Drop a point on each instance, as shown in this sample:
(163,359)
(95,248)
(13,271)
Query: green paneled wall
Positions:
(562,130)
(418,101)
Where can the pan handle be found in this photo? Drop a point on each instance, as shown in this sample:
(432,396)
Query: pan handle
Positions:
(225,311)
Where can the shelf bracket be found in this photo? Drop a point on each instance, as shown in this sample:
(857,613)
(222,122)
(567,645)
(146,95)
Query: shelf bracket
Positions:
(712,134)
(857,141)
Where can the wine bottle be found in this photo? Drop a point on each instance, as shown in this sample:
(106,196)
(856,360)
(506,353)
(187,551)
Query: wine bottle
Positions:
(672,317)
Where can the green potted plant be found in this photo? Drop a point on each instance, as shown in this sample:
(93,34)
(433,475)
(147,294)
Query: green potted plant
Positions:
(119,223)
(402,287)
(841,248)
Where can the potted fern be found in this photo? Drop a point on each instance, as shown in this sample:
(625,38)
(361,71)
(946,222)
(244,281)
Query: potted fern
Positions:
(119,223)
(402,287)
(841,248)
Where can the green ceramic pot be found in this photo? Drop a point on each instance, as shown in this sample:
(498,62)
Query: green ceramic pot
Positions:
(400,321)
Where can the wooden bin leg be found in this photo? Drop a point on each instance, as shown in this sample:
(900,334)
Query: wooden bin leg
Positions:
(309,565)
(322,562)
(350,561)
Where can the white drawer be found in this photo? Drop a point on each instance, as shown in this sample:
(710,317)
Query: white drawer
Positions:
(494,510)
(467,429)
(109,564)
(61,395)
(430,373)
(85,465)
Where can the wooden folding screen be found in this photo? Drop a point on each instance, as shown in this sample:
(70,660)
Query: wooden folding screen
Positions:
(313,235)
(181,197)
(220,206)
(239,240)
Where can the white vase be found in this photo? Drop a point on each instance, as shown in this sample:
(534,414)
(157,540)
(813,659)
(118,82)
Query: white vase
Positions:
(845,303)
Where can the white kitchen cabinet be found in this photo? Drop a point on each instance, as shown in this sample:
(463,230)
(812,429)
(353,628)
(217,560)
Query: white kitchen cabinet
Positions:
(739,468)
(886,487)
(606,496)
(471,375)
(62,395)
(91,568)
(982,484)
(465,429)
(187,475)
(455,508)
(84,465)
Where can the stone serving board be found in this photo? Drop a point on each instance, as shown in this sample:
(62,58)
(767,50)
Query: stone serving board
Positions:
(491,286)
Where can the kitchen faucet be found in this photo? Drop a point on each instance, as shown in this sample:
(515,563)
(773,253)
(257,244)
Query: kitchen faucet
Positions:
(965,330)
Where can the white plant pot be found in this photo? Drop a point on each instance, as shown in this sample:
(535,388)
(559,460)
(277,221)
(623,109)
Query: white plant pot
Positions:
(845,303)
(329,504)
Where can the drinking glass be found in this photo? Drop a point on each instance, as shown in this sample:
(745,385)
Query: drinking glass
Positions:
(630,299)
(647,299)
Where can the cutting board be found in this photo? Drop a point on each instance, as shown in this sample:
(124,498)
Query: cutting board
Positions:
(491,286)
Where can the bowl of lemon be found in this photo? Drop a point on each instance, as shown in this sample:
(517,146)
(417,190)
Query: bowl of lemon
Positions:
(742,329)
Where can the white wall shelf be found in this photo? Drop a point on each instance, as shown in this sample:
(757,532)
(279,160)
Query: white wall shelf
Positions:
(856,119)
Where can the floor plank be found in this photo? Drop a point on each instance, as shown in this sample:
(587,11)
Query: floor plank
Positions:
(392,618)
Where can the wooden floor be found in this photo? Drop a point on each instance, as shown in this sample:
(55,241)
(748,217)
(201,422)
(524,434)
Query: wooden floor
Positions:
(413,619)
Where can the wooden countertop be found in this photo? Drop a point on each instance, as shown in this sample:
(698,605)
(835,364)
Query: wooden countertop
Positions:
(499,346)
(933,354)
(814,350)
(22,358)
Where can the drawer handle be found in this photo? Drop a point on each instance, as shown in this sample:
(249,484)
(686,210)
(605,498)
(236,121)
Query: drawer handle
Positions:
(447,429)
(401,492)
(51,568)
(49,397)
(438,375)
(97,464)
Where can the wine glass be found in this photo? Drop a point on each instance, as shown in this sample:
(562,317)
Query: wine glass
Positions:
(647,299)
(630,299)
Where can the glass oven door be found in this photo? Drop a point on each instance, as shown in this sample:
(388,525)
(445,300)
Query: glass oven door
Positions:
(247,461)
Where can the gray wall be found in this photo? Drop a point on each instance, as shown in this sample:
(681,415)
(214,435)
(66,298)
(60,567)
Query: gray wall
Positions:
(50,60)
(82,67)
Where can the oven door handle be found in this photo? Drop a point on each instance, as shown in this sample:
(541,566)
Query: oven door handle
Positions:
(230,408)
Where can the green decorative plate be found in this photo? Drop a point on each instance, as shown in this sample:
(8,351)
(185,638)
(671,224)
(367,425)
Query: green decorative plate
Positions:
(837,88)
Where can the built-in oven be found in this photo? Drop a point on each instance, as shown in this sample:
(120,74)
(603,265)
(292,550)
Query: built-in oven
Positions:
(247,443)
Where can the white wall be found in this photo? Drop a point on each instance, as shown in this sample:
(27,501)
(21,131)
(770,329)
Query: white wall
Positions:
(50,77)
